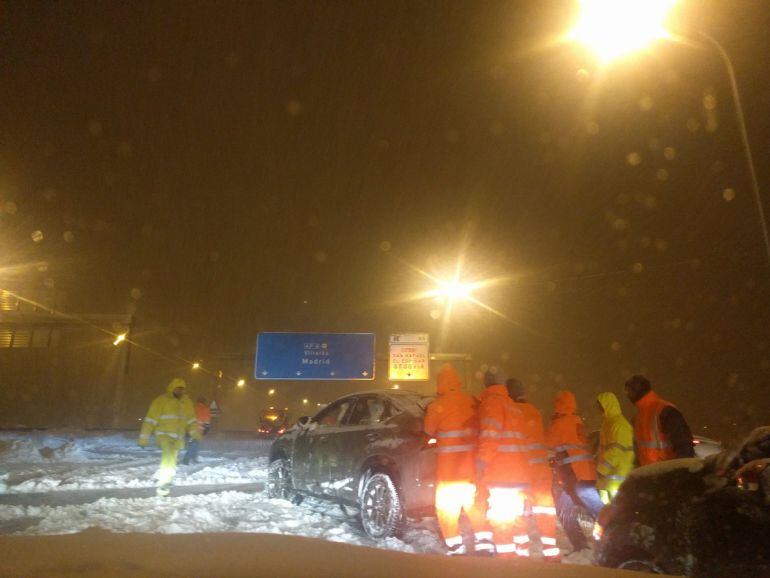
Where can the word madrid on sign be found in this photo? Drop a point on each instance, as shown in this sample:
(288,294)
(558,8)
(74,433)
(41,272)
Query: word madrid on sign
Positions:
(409,358)
(315,356)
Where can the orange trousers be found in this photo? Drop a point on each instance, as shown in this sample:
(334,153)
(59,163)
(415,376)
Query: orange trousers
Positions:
(452,499)
(544,512)
(505,515)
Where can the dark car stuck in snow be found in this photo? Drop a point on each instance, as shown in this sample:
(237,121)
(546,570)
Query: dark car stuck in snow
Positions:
(695,517)
(366,451)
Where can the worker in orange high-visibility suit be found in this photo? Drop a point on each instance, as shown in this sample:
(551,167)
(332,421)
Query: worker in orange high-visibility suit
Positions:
(541,491)
(660,431)
(503,458)
(452,420)
(575,468)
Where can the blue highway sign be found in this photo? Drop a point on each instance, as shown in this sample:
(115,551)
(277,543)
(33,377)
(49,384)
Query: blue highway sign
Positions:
(315,356)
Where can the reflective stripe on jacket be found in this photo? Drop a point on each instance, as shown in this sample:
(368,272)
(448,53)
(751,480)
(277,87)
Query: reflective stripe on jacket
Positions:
(502,441)
(616,444)
(567,438)
(651,443)
(170,417)
(451,419)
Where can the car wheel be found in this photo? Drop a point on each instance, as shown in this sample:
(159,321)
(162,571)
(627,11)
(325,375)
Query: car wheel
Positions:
(382,510)
(279,483)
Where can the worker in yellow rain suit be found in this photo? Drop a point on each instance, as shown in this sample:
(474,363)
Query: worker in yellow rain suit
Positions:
(616,447)
(170,417)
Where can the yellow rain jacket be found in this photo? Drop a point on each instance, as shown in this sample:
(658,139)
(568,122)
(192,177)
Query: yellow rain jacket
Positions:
(616,447)
(170,418)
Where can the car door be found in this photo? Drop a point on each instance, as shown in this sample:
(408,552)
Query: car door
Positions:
(366,432)
(312,448)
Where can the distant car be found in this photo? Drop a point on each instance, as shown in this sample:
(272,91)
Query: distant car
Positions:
(694,516)
(705,447)
(273,422)
(365,451)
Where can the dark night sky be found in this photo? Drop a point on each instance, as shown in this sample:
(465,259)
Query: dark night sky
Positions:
(242,163)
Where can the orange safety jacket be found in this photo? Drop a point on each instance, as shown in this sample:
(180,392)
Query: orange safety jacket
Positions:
(567,438)
(534,434)
(502,440)
(651,443)
(452,420)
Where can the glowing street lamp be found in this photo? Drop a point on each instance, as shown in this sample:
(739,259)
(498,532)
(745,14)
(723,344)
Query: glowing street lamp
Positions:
(196,365)
(120,339)
(454,290)
(271,392)
(241,382)
(615,28)
(304,402)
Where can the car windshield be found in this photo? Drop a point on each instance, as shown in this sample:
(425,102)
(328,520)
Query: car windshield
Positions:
(384,287)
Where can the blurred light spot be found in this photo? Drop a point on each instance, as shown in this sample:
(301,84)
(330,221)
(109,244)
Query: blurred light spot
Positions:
(37,236)
(661,175)
(484,367)
(620,224)
(583,75)
(637,268)
(645,103)
(385,246)
(10,207)
(615,346)
(320,257)
(435,314)
(728,194)
(294,107)
(634,159)
(669,153)
(136,293)
(42,267)
(479,375)
(693,124)
(653,143)
(709,102)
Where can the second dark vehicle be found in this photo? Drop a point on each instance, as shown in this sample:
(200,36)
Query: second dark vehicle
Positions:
(366,451)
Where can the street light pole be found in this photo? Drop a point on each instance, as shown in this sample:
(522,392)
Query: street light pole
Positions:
(711,41)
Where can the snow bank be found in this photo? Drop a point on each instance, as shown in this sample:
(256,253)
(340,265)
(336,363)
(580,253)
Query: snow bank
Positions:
(98,554)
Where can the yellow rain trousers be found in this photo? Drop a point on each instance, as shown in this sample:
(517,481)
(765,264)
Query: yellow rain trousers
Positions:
(170,419)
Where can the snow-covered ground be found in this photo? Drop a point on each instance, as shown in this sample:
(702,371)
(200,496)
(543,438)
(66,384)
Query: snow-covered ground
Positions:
(70,481)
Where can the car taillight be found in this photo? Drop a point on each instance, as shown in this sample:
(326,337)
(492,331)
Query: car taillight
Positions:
(280,431)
